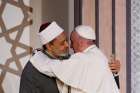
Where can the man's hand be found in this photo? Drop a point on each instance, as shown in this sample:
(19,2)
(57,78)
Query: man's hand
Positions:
(114,66)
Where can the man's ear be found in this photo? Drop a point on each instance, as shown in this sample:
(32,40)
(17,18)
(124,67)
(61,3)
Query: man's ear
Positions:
(48,46)
(80,42)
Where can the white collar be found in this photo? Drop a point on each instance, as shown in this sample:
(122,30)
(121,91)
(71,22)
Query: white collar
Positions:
(38,57)
(90,47)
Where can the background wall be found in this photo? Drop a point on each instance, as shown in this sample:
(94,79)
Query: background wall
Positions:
(15,21)
(55,10)
(135,46)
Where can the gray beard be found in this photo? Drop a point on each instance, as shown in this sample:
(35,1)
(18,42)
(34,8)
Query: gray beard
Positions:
(60,57)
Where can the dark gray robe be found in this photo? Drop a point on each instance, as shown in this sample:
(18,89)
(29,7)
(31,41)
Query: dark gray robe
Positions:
(32,81)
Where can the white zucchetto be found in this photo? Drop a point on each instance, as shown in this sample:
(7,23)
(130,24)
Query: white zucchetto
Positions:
(86,32)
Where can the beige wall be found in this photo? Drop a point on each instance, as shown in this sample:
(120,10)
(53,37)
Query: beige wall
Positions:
(88,13)
(121,40)
(105,26)
(56,10)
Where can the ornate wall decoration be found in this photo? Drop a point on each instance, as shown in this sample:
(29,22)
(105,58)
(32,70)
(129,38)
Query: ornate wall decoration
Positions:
(15,21)
(135,46)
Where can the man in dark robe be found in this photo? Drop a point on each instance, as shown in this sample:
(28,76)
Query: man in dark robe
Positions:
(32,81)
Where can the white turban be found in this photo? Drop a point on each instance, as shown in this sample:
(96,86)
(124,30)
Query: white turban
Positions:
(50,33)
(86,32)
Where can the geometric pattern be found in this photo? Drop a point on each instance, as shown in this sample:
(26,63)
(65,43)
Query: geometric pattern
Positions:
(12,27)
(135,46)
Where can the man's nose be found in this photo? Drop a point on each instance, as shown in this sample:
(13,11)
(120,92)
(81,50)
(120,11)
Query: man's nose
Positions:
(70,45)
(66,44)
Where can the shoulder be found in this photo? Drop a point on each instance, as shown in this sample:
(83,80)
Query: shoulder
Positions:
(36,50)
(29,65)
(38,56)
(78,55)
(97,58)
(27,71)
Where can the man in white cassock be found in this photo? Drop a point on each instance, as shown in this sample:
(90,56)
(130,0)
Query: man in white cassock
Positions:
(86,71)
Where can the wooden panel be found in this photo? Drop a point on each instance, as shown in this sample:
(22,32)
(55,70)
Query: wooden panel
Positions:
(105,26)
(121,40)
(88,13)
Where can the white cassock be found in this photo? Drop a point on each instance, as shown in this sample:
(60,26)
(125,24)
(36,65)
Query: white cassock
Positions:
(85,72)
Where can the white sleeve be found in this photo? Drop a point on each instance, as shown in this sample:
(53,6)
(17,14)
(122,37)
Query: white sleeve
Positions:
(50,64)
(42,63)
(51,67)
(45,67)
(68,71)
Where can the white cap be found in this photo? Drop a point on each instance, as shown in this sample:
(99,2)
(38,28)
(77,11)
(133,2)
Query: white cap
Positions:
(50,33)
(86,32)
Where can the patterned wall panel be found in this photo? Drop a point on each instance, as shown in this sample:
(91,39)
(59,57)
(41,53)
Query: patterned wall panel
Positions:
(15,22)
(135,48)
